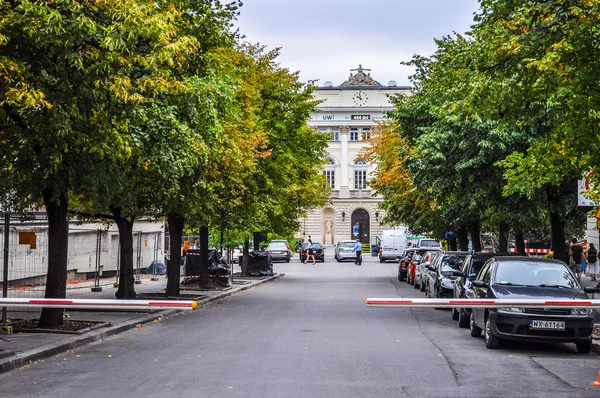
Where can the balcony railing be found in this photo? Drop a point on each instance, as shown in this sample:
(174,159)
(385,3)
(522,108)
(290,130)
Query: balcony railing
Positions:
(360,193)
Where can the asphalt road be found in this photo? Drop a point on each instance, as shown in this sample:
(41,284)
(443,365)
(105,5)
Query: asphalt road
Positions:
(309,335)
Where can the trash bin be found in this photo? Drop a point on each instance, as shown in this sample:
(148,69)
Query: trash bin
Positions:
(374,250)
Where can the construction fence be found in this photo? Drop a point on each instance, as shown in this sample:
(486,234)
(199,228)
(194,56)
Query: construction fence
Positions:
(93,254)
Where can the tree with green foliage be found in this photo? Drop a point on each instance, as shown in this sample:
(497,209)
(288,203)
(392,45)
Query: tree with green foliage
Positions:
(71,75)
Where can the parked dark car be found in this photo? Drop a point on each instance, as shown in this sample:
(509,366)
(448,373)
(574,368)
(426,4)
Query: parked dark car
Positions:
(464,280)
(156,267)
(317,249)
(530,278)
(440,278)
(404,262)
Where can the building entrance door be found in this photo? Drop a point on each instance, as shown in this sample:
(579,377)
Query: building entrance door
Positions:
(360,226)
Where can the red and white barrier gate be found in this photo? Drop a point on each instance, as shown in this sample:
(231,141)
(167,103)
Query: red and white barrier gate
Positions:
(98,303)
(480,303)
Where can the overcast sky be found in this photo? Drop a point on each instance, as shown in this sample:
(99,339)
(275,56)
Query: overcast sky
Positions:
(324,39)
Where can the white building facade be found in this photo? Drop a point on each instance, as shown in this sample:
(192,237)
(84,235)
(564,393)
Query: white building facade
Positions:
(349,114)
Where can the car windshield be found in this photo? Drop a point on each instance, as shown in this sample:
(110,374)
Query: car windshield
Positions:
(277,245)
(530,273)
(347,244)
(452,263)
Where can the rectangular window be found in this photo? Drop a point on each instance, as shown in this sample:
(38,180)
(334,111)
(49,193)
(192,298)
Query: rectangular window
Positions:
(366,134)
(353,134)
(330,176)
(335,135)
(360,179)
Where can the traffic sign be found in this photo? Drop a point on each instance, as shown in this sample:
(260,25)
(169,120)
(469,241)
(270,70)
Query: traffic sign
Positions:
(448,234)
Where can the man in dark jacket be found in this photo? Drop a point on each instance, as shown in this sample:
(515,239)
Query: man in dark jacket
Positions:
(576,252)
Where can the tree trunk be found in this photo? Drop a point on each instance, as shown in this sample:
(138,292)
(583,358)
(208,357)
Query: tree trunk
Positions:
(520,241)
(126,278)
(58,245)
(463,238)
(503,238)
(176,223)
(245,257)
(204,261)
(257,236)
(558,236)
(475,232)
(453,244)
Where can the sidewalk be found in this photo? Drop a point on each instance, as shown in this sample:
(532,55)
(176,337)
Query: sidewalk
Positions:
(19,349)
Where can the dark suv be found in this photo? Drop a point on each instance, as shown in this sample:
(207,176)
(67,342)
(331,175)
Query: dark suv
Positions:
(464,280)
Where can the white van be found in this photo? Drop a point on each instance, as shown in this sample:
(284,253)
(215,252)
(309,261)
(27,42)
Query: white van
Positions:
(393,243)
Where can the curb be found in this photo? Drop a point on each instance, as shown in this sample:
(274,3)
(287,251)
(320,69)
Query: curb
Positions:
(51,349)
(596,347)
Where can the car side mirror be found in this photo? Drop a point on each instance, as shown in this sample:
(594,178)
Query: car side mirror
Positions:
(591,290)
(480,284)
(458,274)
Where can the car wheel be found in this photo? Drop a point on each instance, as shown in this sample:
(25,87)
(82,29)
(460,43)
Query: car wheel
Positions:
(475,330)
(463,321)
(338,260)
(381,260)
(416,285)
(322,259)
(491,341)
(423,288)
(584,348)
(455,314)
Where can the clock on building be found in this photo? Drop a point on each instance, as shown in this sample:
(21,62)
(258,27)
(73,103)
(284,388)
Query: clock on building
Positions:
(360,98)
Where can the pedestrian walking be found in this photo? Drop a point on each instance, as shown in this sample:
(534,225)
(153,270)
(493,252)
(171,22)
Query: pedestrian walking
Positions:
(592,260)
(358,250)
(576,258)
(309,254)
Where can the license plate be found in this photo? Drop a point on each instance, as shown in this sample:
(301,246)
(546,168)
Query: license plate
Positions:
(546,325)
(276,252)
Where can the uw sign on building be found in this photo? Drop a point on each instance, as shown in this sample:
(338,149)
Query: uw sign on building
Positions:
(349,114)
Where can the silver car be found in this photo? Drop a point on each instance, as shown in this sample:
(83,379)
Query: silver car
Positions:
(280,250)
(344,250)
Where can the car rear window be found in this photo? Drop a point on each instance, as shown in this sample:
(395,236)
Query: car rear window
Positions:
(429,243)
(347,244)
(417,257)
(277,245)
(452,263)
(478,263)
